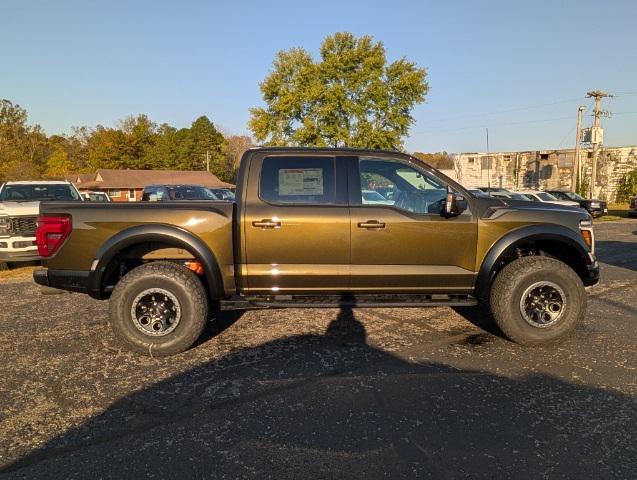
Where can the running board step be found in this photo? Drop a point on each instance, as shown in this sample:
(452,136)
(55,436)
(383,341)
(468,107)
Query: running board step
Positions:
(351,301)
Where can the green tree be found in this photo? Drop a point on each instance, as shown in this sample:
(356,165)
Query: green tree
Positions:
(23,148)
(440,160)
(106,148)
(351,97)
(192,144)
(627,187)
(59,162)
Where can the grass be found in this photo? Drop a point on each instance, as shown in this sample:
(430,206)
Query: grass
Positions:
(17,273)
(616,211)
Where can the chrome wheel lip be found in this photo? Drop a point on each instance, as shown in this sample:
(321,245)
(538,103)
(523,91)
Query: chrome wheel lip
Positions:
(164,312)
(543,304)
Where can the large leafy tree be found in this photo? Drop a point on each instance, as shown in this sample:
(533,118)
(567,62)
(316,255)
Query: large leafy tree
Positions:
(23,147)
(351,97)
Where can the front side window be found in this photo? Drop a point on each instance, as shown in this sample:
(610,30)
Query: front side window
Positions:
(400,185)
(298,180)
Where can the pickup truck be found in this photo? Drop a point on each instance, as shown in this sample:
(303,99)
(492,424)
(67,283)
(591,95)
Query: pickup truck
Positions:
(19,208)
(300,234)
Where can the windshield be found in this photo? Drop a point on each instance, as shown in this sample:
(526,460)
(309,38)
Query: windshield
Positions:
(572,196)
(38,193)
(518,196)
(547,197)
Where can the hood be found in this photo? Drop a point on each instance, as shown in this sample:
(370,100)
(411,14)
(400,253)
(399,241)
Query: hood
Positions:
(19,208)
(533,206)
(550,206)
(570,203)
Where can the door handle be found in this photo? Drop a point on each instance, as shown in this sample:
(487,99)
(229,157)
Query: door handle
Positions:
(266,223)
(371,224)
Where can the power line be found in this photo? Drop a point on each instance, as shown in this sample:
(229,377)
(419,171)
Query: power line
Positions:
(497,112)
(544,120)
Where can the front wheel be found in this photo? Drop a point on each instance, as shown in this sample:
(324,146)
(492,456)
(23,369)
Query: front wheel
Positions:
(159,308)
(537,300)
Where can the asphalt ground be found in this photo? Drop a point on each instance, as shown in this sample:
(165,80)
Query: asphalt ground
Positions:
(391,393)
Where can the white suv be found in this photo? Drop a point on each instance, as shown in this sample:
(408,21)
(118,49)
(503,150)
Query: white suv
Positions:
(19,210)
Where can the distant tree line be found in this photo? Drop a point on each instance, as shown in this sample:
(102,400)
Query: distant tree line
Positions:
(136,143)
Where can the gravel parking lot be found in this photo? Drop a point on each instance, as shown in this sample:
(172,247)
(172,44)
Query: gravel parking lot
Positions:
(323,393)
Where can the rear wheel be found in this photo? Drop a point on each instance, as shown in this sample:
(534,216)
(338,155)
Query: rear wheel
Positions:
(537,300)
(159,309)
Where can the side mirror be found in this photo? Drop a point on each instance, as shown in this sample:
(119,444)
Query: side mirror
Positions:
(453,205)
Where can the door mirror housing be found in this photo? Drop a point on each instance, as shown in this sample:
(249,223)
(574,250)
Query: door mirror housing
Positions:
(454,204)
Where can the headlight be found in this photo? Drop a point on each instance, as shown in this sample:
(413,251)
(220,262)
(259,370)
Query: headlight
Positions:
(595,204)
(5,225)
(586,229)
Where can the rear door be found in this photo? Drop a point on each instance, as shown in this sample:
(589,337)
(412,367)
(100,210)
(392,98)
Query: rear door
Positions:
(296,225)
(404,244)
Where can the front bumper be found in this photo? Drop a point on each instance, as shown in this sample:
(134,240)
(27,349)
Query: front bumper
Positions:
(591,275)
(18,249)
(598,211)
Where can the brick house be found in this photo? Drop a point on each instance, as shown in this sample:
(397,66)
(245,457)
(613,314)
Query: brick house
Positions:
(128,185)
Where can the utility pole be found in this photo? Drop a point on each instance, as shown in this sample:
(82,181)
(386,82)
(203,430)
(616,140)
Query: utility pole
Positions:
(596,133)
(207,161)
(488,165)
(578,139)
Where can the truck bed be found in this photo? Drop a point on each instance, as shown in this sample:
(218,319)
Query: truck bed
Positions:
(95,225)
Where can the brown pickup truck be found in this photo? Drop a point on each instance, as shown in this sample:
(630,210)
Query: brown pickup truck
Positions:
(322,228)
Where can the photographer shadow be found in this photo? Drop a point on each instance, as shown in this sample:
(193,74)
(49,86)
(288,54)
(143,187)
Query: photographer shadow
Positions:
(331,405)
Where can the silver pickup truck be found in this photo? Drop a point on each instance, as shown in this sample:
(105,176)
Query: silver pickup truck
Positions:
(19,209)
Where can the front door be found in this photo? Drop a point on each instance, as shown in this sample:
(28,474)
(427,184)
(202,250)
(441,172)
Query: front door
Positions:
(296,225)
(400,242)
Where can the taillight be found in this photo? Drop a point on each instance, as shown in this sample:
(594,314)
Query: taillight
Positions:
(51,233)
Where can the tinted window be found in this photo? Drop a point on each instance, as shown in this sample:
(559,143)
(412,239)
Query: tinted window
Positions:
(40,193)
(190,192)
(413,190)
(547,197)
(297,180)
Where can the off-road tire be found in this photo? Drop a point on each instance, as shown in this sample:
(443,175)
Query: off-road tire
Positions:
(186,288)
(511,283)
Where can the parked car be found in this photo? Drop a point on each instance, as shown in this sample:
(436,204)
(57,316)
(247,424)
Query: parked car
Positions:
(96,197)
(223,194)
(301,236)
(539,196)
(19,209)
(510,196)
(632,211)
(159,193)
(476,192)
(596,208)
(493,189)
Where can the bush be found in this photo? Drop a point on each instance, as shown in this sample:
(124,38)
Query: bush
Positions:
(627,187)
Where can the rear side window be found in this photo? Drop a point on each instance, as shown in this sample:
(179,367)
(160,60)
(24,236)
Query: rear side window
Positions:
(298,180)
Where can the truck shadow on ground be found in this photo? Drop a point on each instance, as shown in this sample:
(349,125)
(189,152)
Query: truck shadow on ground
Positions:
(618,254)
(325,406)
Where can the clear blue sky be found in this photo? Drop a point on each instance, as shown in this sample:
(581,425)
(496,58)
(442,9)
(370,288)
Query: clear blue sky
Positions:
(88,62)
